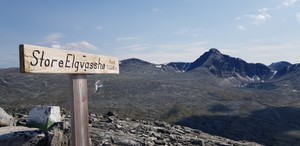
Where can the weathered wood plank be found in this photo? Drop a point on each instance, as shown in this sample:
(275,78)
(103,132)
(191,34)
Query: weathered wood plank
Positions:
(35,59)
(79,112)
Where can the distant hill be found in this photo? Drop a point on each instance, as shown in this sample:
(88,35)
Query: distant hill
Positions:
(137,66)
(280,65)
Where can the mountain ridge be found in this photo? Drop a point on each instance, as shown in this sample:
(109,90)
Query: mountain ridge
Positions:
(225,66)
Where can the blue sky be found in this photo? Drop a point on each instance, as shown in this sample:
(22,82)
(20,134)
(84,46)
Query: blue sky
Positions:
(158,31)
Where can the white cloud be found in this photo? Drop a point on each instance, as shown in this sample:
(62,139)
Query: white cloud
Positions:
(190,31)
(179,46)
(77,27)
(53,38)
(125,39)
(238,18)
(266,53)
(155,10)
(134,48)
(54,41)
(99,28)
(77,46)
(288,3)
(298,16)
(241,28)
(166,52)
(263,16)
(263,10)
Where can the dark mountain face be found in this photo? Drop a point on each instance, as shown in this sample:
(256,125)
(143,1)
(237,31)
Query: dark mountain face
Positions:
(225,66)
(290,76)
(206,59)
(179,66)
(280,65)
(280,68)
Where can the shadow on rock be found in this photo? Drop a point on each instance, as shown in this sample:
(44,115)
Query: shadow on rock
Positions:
(270,126)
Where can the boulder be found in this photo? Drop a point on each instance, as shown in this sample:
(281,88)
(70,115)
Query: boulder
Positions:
(43,117)
(19,135)
(5,119)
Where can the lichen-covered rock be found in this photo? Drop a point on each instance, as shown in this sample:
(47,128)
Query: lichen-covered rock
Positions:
(5,119)
(43,117)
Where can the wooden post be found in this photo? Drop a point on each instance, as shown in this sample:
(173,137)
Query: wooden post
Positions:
(79,111)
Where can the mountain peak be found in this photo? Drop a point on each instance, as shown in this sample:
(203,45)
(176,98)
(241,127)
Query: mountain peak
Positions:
(206,58)
(214,50)
(226,66)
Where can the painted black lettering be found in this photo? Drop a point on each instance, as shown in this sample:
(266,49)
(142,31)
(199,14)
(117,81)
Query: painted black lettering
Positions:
(42,58)
(61,63)
(81,64)
(87,64)
(36,59)
(96,64)
(67,60)
(91,65)
(99,64)
(76,65)
(53,60)
(47,62)
(73,61)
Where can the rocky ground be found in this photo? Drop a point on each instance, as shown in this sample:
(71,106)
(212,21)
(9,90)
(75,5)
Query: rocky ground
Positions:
(109,129)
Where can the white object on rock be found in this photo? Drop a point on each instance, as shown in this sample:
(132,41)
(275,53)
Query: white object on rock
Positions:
(5,119)
(44,117)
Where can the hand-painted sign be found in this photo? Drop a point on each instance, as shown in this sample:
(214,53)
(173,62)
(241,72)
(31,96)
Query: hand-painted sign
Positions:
(35,59)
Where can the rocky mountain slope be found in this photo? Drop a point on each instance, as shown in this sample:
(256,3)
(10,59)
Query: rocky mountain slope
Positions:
(109,129)
(217,94)
(225,66)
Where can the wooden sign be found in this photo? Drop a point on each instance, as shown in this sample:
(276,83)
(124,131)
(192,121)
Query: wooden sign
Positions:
(35,59)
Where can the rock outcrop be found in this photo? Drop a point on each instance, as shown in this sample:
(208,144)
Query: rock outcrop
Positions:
(5,119)
(20,135)
(43,117)
(110,130)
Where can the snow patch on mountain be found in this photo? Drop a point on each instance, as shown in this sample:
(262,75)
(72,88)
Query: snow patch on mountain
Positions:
(158,66)
(274,73)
